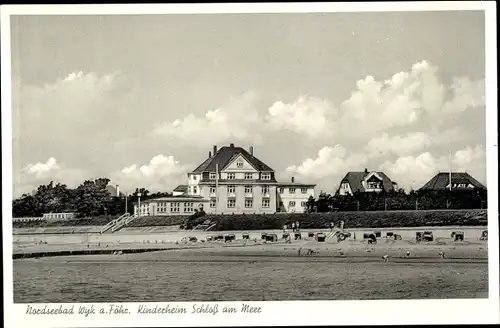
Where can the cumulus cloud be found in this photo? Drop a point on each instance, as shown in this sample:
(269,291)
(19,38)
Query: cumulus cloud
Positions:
(162,173)
(398,144)
(234,122)
(412,172)
(329,165)
(32,175)
(308,116)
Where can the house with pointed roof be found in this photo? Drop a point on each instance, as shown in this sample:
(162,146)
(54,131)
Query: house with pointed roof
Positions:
(231,180)
(459,181)
(234,180)
(366,181)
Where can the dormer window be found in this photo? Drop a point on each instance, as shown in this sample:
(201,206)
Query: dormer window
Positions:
(212,176)
(266,176)
(248,176)
(239,164)
(374,185)
(231,176)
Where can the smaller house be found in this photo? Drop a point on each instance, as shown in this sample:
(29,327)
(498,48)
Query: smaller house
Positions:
(366,181)
(292,196)
(180,190)
(173,205)
(459,181)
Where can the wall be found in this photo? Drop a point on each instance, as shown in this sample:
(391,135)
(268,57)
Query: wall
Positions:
(297,197)
(240,199)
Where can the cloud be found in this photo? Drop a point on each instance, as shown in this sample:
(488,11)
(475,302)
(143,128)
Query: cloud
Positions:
(329,165)
(415,171)
(162,173)
(307,116)
(33,175)
(398,145)
(234,122)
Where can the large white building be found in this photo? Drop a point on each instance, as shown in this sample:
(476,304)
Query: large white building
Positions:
(232,180)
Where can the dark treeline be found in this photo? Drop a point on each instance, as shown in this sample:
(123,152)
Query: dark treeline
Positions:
(89,199)
(399,200)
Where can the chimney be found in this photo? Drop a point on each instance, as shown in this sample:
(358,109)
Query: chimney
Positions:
(366,170)
(117,190)
(215,149)
(251,150)
(209,154)
(293,179)
(231,145)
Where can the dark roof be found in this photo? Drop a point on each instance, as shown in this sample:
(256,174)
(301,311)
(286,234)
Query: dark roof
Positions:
(225,155)
(181,188)
(355,179)
(441,180)
(295,184)
(112,190)
(176,199)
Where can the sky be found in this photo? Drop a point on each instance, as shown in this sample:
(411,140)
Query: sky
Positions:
(143,99)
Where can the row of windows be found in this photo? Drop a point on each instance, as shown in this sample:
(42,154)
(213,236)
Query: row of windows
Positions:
(231,203)
(292,190)
(231,189)
(162,207)
(247,176)
(292,204)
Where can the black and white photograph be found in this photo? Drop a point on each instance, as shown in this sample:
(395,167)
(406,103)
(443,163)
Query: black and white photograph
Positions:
(199,165)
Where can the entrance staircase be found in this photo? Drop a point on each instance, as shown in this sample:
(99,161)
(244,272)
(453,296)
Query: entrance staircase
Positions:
(119,223)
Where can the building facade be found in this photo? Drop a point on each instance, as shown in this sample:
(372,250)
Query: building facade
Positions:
(175,205)
(231,180)
(367,181)
(292,197)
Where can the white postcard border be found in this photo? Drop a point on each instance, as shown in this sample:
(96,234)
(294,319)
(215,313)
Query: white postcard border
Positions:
(404,312)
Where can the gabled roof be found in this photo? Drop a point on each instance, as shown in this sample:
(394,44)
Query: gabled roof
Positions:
(442,180)
(181,188)
(355,180)
(225,155)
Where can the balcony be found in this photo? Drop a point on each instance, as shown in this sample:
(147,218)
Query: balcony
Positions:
(231,194)
(266,194)
(213,193)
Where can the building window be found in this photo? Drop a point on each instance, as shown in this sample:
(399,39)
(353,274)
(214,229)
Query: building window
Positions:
(212,176)
(248,189)
(303,204)
(231,189)
(282,190)
(291,203)
(265,189)
(213,190)
(213,202)
(248,203)
(231,203)
(374,185)
(176,207)
(265,203)
(162,207)
(239,164)
(195,190)
(291,190)
(188,207)
(231,176)
(248,176)
(303,190)
(266,176)
(194,177)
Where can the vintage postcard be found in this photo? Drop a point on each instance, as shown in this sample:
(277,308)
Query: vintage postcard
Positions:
(250,164)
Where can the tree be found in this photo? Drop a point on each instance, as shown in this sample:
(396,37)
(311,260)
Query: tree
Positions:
(310,205)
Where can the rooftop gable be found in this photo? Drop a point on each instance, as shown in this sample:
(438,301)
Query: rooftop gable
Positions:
(355,180)
(441,181)
(225,155)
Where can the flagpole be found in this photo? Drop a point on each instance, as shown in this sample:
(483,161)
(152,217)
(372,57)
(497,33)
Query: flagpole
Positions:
(216,187)
(450,170)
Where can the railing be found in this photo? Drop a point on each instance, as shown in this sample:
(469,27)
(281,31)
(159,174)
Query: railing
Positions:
(126,220)
(114,222)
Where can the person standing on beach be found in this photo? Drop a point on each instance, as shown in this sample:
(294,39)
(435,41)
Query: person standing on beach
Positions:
(331,226)
(293,226)
(297,226)
(284,228)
